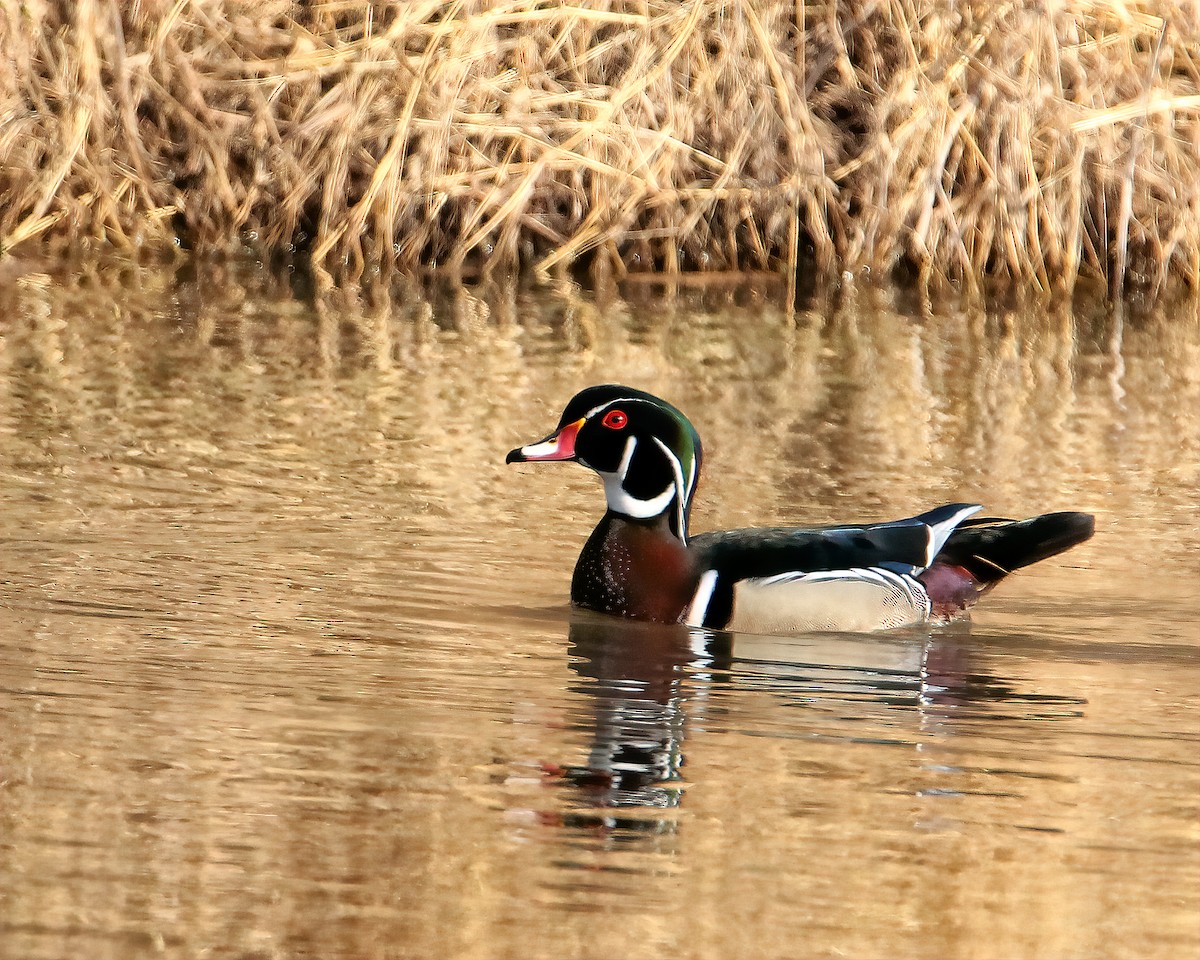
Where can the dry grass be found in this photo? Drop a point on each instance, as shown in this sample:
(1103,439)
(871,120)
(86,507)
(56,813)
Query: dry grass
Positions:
(1038,141)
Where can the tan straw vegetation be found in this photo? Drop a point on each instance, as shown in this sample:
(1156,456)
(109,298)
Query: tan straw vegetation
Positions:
(1037,141)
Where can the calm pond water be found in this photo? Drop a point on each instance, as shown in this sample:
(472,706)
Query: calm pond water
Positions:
(286,668)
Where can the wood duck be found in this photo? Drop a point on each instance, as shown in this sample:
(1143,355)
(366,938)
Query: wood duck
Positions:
(640,562)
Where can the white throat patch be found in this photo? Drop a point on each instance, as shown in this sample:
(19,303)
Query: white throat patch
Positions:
(621,500)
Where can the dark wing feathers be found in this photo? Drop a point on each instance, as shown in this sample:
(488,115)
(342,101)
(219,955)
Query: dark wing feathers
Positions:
(986,548)
(901,546)
(766,552)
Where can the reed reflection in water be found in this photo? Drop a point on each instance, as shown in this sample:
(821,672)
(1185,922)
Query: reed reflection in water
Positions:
(286,667)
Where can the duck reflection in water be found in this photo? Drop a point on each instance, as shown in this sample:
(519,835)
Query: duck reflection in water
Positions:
(641,680)
(650,687)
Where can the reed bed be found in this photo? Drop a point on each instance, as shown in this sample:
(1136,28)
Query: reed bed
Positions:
(1035,141)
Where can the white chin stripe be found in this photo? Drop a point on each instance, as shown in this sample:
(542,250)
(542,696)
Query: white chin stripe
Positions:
(621,501)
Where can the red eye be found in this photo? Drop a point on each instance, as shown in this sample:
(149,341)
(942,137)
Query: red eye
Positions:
(615,420)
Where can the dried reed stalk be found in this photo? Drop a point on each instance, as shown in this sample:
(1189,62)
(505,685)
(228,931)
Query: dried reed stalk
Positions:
(1032,140)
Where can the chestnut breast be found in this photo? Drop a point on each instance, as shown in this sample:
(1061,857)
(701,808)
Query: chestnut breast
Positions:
(634,569)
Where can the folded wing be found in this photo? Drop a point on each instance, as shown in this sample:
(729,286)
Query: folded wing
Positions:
(820,578)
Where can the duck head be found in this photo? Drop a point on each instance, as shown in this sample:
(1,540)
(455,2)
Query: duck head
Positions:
(646,452)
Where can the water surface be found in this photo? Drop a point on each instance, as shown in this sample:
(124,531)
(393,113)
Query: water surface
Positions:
(286,668)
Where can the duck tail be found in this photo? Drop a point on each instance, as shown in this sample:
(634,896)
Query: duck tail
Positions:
(982,552)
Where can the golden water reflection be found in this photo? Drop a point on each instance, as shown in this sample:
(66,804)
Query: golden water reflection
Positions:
(286,668)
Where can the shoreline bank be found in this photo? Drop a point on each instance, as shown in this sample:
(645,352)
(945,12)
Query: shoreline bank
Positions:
(1016,142)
